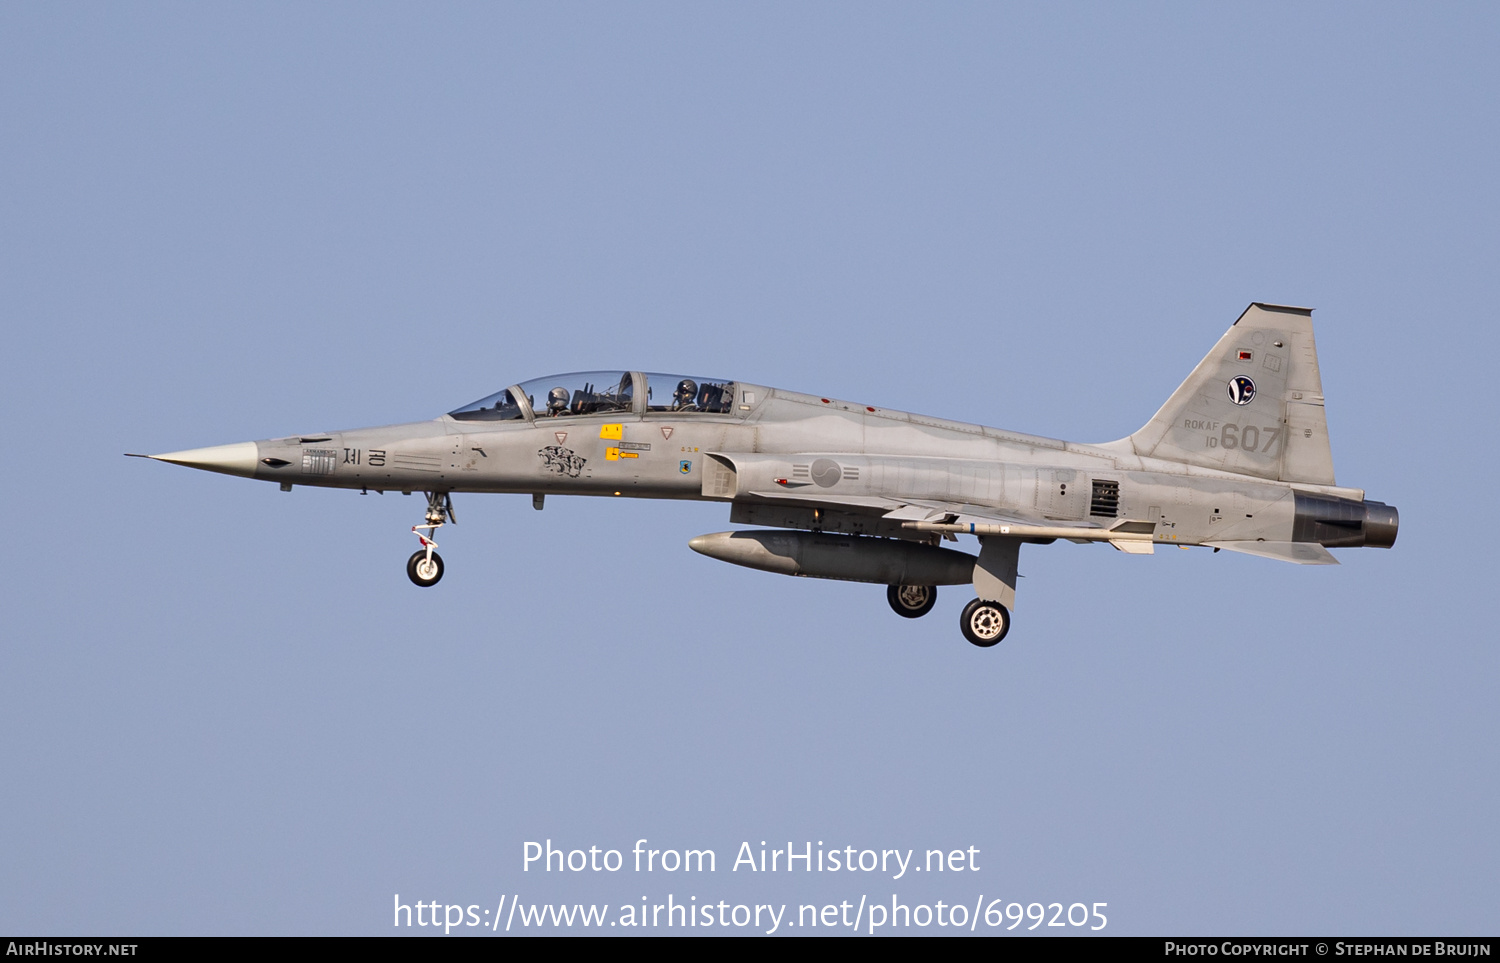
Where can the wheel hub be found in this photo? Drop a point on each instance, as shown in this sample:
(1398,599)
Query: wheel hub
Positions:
(913,596)
(986,623)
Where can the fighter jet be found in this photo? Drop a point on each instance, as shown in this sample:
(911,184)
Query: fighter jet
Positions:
(1237,459)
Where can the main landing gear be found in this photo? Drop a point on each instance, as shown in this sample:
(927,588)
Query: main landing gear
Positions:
(425,566)
(984,622)
(911,601)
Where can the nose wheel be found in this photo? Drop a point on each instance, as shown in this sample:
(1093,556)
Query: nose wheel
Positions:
(425,567)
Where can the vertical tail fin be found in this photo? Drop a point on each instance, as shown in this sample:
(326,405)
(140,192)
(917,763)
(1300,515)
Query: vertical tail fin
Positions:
(1254,405)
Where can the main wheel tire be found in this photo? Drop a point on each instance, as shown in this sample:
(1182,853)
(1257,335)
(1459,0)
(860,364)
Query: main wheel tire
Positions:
(423,572)
(984,623)
(911,601)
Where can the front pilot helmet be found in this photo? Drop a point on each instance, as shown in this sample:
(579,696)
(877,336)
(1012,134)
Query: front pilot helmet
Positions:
(557,399)
(686,390)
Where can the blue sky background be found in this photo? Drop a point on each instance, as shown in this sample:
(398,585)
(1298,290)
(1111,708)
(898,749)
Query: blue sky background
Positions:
(223,709)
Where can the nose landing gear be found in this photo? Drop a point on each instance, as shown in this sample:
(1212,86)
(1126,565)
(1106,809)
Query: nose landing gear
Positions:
(425,566)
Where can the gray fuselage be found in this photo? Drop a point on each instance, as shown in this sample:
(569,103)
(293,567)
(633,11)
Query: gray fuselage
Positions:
(782,454)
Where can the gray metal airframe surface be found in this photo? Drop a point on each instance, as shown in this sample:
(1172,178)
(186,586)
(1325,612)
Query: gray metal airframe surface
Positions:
(1237,458)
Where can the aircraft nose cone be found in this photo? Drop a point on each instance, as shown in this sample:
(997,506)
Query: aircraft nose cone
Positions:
(236,459)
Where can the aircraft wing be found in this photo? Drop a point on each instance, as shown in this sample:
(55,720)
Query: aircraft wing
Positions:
(964,513)
(840,481)
(875,504)
(775,478)
(909,510)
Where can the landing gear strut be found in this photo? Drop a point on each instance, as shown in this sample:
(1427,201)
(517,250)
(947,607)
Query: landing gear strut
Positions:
(911,601)
(984,622)
(425,566)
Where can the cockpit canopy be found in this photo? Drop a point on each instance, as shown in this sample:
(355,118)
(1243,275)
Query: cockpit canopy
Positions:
(602,393)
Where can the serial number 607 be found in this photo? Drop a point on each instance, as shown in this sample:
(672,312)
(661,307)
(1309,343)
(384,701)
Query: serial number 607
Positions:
(1250,438)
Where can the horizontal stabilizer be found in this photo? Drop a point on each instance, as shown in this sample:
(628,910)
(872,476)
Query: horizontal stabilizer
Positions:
(1299,553)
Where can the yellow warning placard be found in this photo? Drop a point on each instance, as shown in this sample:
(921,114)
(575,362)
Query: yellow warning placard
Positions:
(612,432)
